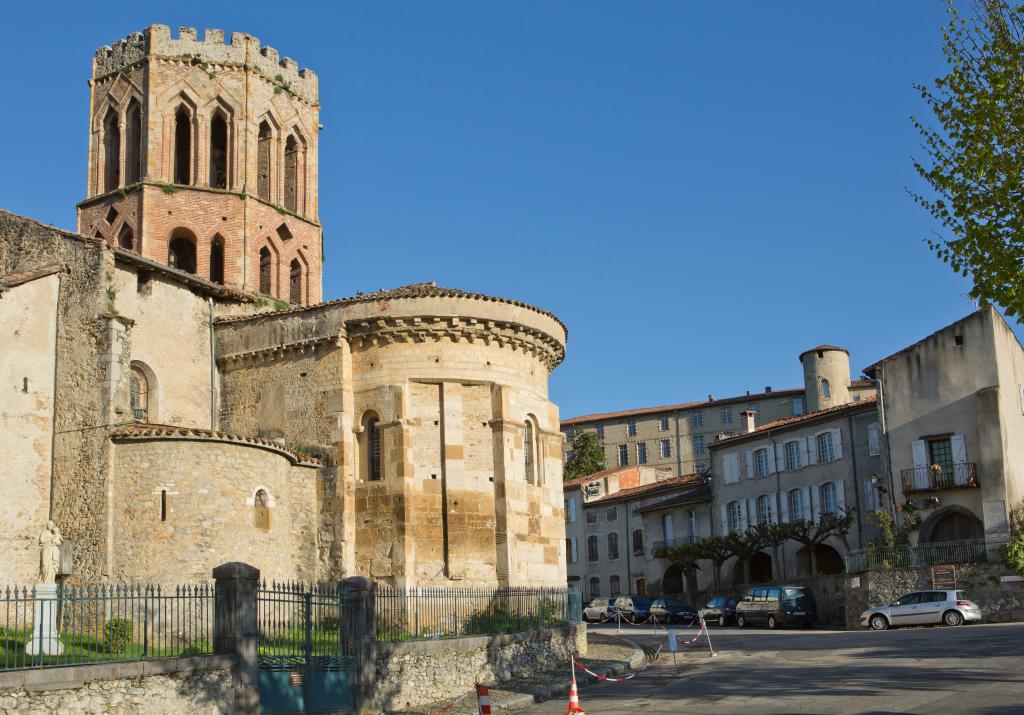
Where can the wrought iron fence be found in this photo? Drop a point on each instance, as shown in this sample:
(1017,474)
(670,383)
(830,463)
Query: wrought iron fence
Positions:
(92,624)
(303,619)
(906,555)
(961,475)
(406,614)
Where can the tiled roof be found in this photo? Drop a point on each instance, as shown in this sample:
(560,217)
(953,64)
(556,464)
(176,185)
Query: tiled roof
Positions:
(823,347)
(427,289)
(869,370)
(799,419)
(193,281)
(698,494)
(16,279)
(598,416)
(687,480)
(145,430)
(579,481)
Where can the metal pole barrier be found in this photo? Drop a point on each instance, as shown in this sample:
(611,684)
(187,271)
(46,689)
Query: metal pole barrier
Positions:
(618,621)
(707,634)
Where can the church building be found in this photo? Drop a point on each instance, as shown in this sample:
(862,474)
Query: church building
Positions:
(176,394)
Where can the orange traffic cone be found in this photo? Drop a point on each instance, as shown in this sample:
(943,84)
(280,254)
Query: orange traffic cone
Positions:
(574,696)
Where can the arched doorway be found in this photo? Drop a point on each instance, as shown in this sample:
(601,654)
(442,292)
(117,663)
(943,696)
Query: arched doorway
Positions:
(952,524)
(760,569)
(181,252)
(827,559)
(672,581)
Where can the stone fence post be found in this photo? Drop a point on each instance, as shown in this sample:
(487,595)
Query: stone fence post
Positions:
(361,595)
(236,632)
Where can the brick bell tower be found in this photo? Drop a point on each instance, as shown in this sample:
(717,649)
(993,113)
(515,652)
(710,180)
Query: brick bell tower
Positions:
(203,156)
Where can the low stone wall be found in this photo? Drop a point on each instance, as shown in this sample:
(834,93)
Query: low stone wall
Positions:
(999,599)
(157,687)
(418,672)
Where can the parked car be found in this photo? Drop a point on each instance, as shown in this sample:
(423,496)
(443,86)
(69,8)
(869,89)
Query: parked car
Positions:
(598,610)
(634,606)
(776,606)
(720,610)
(667,610)
(920,608)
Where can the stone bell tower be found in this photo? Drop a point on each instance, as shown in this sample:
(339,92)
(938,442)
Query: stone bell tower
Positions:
(203,156)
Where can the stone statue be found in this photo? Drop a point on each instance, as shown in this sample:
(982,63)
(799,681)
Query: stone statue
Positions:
(49,557)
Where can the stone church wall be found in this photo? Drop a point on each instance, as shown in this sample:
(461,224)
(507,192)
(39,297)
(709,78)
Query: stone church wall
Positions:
(28,329)
(209,517)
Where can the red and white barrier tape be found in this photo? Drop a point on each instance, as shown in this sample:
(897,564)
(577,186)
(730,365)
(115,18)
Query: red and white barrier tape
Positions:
(585,669)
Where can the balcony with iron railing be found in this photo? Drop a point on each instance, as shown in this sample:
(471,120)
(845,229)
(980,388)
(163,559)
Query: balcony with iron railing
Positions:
(671,543)
(960,475)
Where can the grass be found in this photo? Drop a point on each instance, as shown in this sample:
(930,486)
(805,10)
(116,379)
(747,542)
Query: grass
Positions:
(81,648)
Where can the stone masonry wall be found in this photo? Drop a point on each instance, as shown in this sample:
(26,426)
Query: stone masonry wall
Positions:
(411,674)
(999,600)
(119,689)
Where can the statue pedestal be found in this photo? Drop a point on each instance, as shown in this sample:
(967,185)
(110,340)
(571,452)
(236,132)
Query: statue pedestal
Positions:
(45,632)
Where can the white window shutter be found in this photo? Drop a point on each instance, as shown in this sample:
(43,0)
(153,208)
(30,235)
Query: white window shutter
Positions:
(572,509)
(769,457)
(743,515)
(784,508)
(573,546)
(959,448)
(780,456)
(751,512)
(725,520)
(920,453)
(837,442)
(750,465)
(812,512)
(841,495)
(805,455)
(812,449)
(778,507)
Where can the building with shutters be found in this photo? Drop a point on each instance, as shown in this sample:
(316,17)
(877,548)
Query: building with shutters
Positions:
(617,518)
(952,406)
(798,468)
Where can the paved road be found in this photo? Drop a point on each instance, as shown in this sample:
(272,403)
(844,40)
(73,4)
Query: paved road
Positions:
(968,669)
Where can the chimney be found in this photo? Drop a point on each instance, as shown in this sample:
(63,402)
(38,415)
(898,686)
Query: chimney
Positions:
(747,420)
(768,389)
(711,398)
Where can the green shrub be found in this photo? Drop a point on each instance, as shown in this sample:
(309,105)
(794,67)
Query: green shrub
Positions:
(117,635)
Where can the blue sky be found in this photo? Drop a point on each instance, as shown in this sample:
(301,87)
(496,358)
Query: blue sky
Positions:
(699,190)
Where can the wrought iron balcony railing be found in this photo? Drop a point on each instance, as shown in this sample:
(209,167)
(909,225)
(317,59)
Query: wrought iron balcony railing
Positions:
(961,475)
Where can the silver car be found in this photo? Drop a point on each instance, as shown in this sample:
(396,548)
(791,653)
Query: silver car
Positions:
(921,608)
(598,610)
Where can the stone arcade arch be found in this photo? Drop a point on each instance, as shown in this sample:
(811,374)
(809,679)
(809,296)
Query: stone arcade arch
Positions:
(827,559)
(181,251)
(951,523)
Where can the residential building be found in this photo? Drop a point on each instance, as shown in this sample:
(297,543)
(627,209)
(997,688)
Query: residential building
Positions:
(952,412)
(616,518)
(677,436)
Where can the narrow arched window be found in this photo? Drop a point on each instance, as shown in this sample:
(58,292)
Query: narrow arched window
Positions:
(371,448)
(111,151)
(261,510)
(139,395)
(133,144)
(163,505)
(291,173)
(125,238)
(295,281)
(529,451)
(263,161)
(217,259)
(219,152)
(181,252)
(182,147)
(265,270)
(826,391)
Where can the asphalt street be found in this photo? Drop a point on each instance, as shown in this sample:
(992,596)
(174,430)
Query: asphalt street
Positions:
(926,670)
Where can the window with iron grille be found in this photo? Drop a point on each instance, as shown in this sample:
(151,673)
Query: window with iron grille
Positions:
(826,450)
(592,548)
(793,455)
(623,455)
(666,448)
(696,418)
(613,546)
(631,428)
(663,424)
(600,432)
(726,415)
(641,453)
(638,542)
